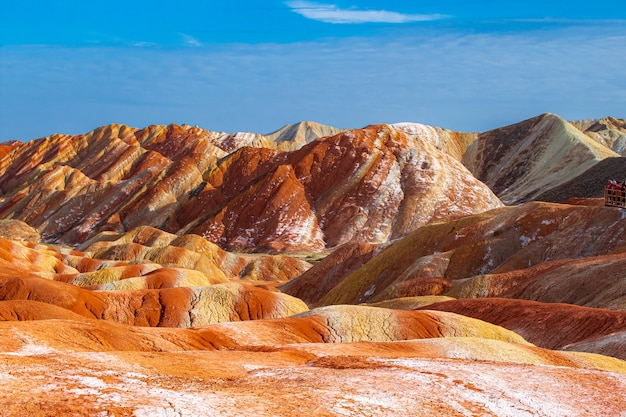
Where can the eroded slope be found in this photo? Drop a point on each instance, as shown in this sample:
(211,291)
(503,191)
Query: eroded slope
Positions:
(520,161)
(241,192)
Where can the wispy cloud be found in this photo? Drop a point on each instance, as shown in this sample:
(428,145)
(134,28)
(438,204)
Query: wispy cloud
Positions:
(460,81)
(190,40)
(330,13)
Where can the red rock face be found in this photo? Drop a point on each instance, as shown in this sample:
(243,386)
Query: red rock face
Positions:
(549,325)
(365,185)
(369,185)
(317,281)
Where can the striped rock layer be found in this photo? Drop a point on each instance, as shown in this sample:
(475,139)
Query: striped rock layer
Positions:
(537,251)
(370,184)
(148,314)
(284,367)
(523,160)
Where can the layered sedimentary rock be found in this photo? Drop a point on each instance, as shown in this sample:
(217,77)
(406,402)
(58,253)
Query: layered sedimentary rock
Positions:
(181,290)
(537,251)
(543,158)
(168,307)
(150,245)
(610,132)
(371,184)
(550,325)
(521,161)
(435,299)
(317,281)
(336,324)
(594,281)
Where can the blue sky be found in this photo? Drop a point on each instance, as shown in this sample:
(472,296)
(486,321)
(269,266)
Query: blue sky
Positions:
(70,66)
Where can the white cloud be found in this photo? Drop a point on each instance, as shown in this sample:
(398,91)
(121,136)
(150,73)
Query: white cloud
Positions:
(190,40)
(460,81)
(330,13)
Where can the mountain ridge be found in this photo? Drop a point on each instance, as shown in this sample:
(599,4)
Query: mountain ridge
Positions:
(176,270)
(180,179)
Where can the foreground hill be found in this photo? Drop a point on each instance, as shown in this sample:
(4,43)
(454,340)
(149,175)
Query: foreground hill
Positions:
(436,376)
(272,369)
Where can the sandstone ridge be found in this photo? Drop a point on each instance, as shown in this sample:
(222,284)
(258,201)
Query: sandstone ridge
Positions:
(173,270)
(370,184)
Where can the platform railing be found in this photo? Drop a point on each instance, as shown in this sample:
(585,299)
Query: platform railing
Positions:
(614,197)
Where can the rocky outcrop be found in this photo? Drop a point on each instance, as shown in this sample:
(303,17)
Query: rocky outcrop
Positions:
(149,245)
(368,185)
(169,307)
(154,286)
(594,281)
(364,323)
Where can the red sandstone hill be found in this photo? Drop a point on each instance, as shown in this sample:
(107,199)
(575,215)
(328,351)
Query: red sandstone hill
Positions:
(370,184)
(550,325)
